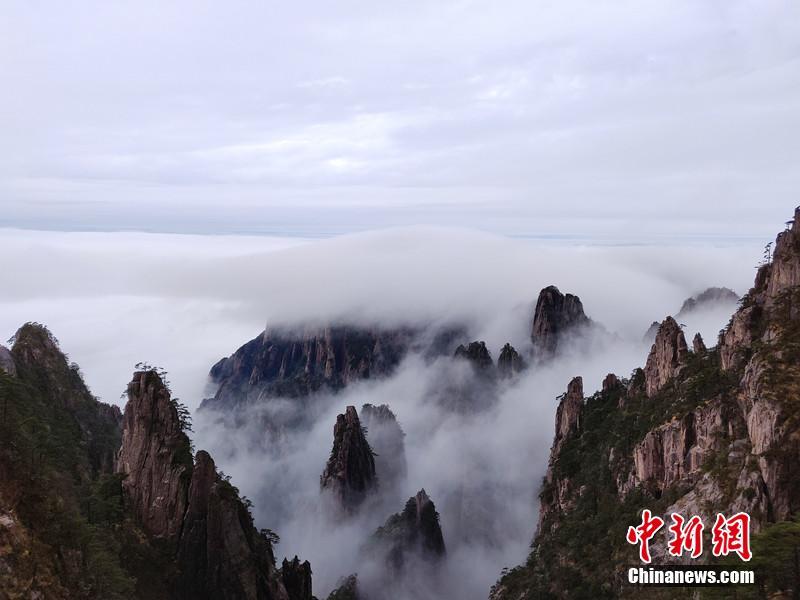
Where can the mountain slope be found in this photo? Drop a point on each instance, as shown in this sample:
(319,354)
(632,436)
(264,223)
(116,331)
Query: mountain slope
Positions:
(700,432)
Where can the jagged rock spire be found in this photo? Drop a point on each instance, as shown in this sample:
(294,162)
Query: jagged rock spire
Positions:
(155,456)
(414,531)
(698,345)
(296,578)
(667,356)
(568,413)
(477,354)
(611,382)
(509,363)
(350,472)
(555,315)
(182,502)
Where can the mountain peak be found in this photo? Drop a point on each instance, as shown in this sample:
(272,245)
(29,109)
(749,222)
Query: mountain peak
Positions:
(350,471)
(667,356)
(555,315)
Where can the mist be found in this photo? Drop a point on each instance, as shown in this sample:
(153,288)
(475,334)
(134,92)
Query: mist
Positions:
(182,302)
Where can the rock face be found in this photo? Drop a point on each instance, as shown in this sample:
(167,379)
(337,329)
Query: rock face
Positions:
(568,413)
(220,553)
(568,424)
(509,363)
(611,382)
(387,440)
(708,298)
(295,363)
(667,356)
(556,315)
(477,354)
(183,503)
(155,457)
(350,472)
(413,532)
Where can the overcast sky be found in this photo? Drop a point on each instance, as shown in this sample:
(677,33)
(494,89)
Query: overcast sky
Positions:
(603,120)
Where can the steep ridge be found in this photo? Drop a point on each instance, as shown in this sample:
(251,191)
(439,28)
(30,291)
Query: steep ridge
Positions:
(297,362)
(694,432)
(58,517)
(185,506)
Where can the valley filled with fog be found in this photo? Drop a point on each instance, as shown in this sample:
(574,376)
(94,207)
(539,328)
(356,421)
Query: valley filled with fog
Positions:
(182,302)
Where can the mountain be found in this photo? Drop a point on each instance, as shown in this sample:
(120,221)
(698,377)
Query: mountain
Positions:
(59,501)
(708,298)
(349,474)
(296,362)
(509,363)
(97,505)
(694,432)
(556,317)
(414,531)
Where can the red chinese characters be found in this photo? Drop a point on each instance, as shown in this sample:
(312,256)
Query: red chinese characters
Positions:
(732,535)
(686,535)
(728,536)
(644,533)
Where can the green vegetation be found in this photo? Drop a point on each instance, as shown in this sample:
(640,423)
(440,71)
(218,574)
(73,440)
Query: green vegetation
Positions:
(56,447)
(585,550)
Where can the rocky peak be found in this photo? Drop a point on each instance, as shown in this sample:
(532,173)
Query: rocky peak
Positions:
(155,456)
(611,382)
(477,354)
(568,413)
(36,351)
(184,503)
(555,315)
(414,531)
(426,522)
(709,297)
(220,553)
(698,345)
(509,363)
(387,440)
(296,578)
(667,356)
(36,357)
(350,472)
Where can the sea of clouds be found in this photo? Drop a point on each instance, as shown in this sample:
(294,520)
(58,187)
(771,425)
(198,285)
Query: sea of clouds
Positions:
(184,301)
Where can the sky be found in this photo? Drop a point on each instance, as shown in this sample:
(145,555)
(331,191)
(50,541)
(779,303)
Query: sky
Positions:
(600,121)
